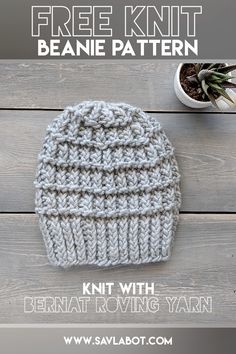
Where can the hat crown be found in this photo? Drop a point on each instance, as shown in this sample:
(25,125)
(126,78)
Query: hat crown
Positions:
(99,114)
(102,125)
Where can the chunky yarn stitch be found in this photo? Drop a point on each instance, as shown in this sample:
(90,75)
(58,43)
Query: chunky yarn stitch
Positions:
(107,187)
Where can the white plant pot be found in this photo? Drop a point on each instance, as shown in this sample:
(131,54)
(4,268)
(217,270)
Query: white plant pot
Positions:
(222,102)
(183,96)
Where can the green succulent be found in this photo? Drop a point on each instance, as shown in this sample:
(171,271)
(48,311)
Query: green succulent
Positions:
(213,79)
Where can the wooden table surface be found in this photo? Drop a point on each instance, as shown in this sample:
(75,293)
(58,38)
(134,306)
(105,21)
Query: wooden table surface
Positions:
(203,262)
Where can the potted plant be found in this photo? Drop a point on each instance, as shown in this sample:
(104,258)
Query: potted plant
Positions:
(203,84)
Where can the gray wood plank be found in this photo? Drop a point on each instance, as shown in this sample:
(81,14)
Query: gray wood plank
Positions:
(202,264)
(55,84)
(205,147)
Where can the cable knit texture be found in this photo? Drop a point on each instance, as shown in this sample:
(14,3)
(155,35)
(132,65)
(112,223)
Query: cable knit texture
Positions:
(107,187)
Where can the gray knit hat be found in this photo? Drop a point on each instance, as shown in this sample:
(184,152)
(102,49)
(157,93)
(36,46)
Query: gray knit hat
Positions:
(107,187)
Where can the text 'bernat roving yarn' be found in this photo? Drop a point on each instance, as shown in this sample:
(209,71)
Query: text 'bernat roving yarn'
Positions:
(107,187)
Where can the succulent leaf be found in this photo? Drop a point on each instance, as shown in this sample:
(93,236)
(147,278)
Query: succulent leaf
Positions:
(223,93)
(204,74)
(227,69)
(197,68)
(227,84)
(211,66)
(192,78)
(205,87)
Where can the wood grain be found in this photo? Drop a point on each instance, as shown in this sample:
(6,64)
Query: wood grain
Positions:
(202,264)
(205,147)
(55,84)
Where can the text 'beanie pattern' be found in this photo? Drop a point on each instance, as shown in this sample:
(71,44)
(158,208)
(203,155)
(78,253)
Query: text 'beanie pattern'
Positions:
(107,187)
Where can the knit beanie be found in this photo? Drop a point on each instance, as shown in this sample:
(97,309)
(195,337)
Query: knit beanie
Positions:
(107,187)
